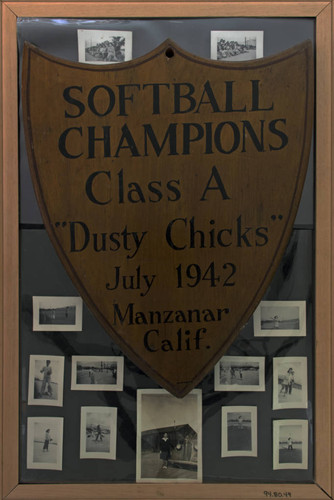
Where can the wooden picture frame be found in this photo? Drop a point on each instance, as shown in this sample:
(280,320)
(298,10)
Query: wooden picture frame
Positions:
(322,13)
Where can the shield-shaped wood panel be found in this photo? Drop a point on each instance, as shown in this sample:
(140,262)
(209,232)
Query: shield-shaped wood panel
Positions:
(169,186)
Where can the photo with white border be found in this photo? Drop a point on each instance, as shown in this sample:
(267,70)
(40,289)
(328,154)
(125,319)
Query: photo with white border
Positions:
(289,382)
(98,432)
(280,318)
(240,373)
(97,373)
(239,431)
(46,380)
(104,46)
(236,45)
(169,437)
(45,443)
(57,314)
(290,444)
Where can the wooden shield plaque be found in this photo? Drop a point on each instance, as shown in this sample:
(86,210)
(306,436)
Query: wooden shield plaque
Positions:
(169,186)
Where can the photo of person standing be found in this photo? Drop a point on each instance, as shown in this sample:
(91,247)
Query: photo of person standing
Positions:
(47,440)
(46,384)
(46,380)
(165,450)
(45,443)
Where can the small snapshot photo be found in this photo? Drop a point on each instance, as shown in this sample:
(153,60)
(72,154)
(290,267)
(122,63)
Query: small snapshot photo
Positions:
(57,314)
(45,443)
(98,432)
(169,437)
(236,45)
(46,380)
(290,444)
(239,431)
(104,46)
(97,373)
(240,373)
(282,318)
(289,383)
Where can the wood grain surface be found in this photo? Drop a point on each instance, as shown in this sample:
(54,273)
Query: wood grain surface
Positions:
(169,186)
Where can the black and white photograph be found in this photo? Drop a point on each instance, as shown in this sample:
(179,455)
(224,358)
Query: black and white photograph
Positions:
(290,444)
(45,443)
(239,431)
(97,373)
(98,432)
(57,314)
(240,373)
(169,436)
(104,46)
(281,318)
(236,45)
(46,380)
(289,383)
